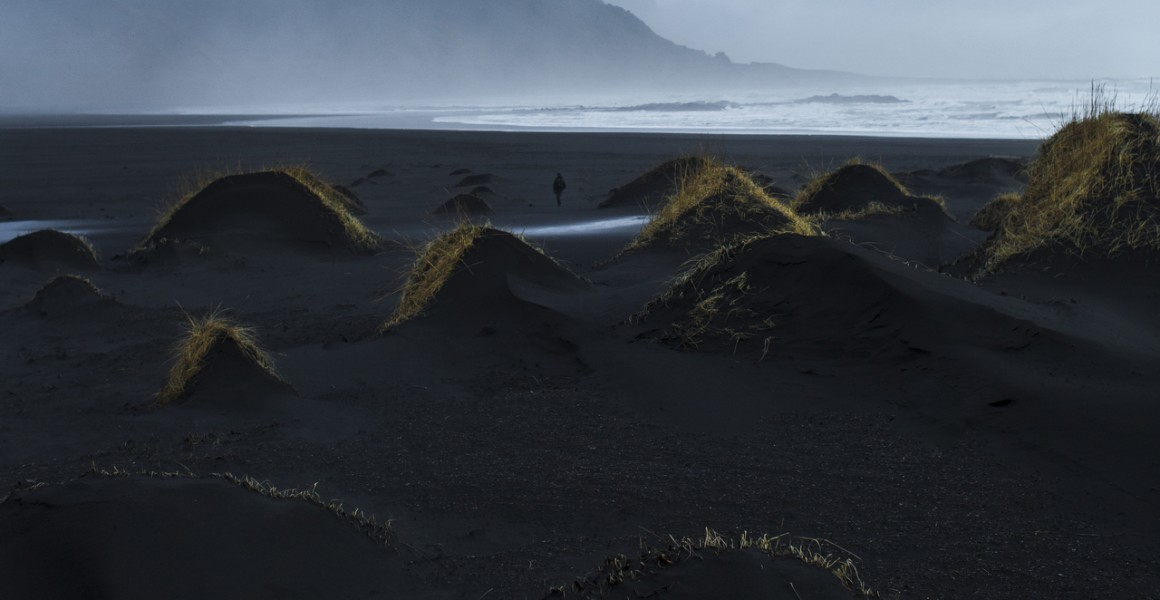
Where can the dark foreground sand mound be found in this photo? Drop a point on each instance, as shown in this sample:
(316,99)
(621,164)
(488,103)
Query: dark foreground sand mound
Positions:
(471,268)
(474,180)
(717,205)
(220,365)
(465,204)
(49,249)
(854,188)
(652,188)
(1093,191)
(68,295)
(285,207)
(793,296)
(184,537)
(765,568)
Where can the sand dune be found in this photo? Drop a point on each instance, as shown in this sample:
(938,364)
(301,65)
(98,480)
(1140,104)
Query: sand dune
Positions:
(528,428)
(49,250)
(271,206)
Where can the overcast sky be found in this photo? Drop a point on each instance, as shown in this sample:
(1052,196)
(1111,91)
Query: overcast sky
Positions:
(1080,39)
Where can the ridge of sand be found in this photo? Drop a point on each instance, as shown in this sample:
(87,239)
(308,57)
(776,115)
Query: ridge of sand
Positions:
(465,204)
(184,537)
(263,208)
(68,295)
(651,189)
(49,249)
(791,295)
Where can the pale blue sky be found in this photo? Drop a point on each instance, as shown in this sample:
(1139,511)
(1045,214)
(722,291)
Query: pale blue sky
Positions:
(1081,39)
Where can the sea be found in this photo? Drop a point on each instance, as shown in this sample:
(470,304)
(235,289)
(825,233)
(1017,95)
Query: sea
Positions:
(918,108)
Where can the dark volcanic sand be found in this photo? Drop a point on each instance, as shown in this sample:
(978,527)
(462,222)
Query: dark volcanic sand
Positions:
(1009,453)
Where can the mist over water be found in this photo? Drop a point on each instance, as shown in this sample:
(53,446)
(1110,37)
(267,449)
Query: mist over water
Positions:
(1007,109)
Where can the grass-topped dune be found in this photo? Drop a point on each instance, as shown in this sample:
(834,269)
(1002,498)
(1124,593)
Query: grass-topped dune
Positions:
(469,267)
(49,249)
(715,205)
(465,205)
(1093,190)
(854,190)
(219,363)
(652,188)
(764,567)
(68,295)
(288,206)
(792,296)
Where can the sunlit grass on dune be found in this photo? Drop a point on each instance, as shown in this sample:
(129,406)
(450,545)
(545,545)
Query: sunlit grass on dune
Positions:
(717,204)
(332,203)
(1093,189)
(203,335)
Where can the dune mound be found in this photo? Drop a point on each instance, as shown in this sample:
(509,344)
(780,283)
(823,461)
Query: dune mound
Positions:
(68,295)
(994,168)
(852,189)
(187,537)
(765,568)
(464,204)
(470,268)
(793,295)
(990,217)
(652,188)
(1093,190)
(281,206)
(4,214)
(219,364)
(353,203)
(49,249)
(476,179)
(718,205)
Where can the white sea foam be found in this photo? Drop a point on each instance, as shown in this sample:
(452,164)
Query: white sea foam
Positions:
(1005,109)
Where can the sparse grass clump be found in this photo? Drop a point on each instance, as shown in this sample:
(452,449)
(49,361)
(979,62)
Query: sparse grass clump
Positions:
(433,266)
(991,216)
(718,309)
(716,204)
(204,334)
(369,525)
(815,552)
(855,187)
(333,203)
(1094,188)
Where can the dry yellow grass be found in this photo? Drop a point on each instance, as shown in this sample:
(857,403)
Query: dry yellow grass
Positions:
(710,196)
(718,312)
(991,216)
(1095,187)
(820,182)
(815,552)
(334,201)
(433,265)
(204,333)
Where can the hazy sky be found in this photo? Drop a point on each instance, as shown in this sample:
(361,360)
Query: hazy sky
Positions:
(1080,39)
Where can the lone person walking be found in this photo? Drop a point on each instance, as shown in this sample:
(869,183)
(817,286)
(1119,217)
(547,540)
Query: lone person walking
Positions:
(558,187)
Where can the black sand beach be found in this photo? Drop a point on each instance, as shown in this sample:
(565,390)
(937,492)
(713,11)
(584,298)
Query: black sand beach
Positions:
(949,436)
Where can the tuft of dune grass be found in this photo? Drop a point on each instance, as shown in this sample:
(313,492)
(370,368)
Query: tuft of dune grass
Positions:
(433,266)
(333,200)
(717,312)
(204,333)
(1094,187)
(710,193)
(814,552)
(991,216)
